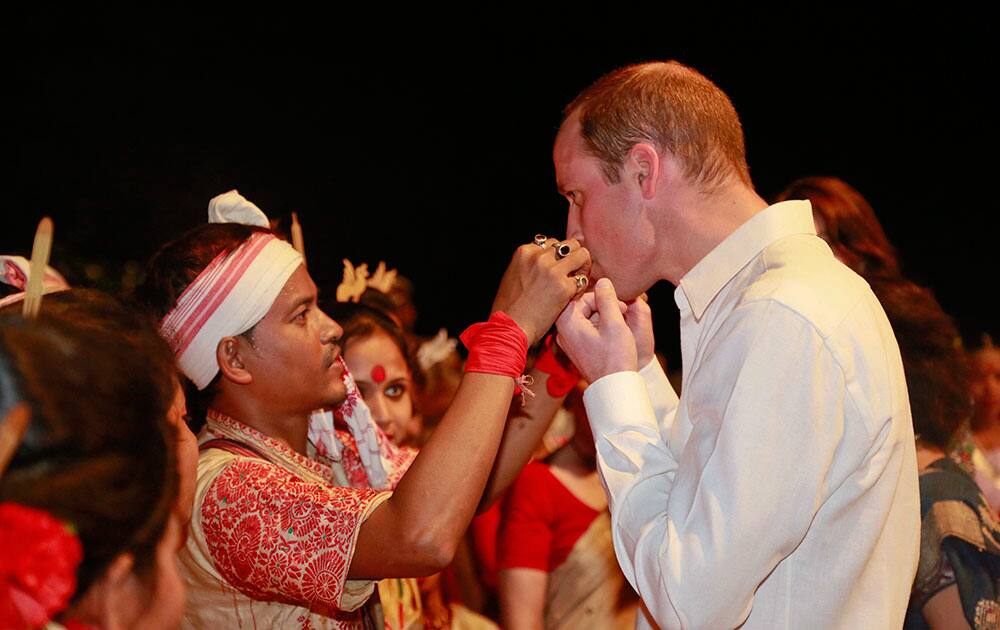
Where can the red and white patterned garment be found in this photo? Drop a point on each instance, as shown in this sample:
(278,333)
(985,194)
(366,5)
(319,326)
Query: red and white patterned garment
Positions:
(272,535)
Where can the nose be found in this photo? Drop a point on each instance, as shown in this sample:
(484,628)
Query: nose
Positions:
(573,229)
(376,404)
(330,330)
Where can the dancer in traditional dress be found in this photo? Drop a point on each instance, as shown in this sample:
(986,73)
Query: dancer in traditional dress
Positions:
(301,501)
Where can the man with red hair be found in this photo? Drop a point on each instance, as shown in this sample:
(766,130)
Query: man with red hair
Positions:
(780,489)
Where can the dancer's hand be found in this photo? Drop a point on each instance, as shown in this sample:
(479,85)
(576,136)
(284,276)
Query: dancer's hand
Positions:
(537,285)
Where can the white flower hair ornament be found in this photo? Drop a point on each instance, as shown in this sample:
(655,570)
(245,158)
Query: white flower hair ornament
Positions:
(436,350)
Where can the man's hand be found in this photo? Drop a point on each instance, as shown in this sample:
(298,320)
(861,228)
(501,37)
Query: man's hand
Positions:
(595,335)
(640,321)
(537,286)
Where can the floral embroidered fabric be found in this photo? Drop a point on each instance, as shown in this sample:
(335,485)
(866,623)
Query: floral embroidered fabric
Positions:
(959,545)
(274,532)
(276,537)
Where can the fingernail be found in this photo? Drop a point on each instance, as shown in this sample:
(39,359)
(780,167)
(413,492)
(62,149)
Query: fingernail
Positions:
(603,283)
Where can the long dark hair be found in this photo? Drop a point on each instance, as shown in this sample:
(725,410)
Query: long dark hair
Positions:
(937,375)
(854,231)
(97,452)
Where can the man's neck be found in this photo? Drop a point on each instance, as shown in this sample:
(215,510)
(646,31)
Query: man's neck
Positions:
(700,221)
(291,429)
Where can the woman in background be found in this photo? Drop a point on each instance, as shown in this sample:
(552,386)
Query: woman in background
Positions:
(958,575)
(88,525)
(985,362)
(556,561)
(381,357)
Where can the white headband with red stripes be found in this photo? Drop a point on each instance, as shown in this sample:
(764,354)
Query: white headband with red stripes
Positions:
(232,294)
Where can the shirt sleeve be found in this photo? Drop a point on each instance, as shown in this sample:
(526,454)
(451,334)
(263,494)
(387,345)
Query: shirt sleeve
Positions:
(525,536)
(662,397)
(766,409)
(275,537)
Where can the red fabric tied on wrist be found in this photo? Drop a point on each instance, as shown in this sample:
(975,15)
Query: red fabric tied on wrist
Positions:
(496,346)
(563,375)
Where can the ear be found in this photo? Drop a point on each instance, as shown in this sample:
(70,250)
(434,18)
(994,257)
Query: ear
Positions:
(11,431)
(229,355)
(643,167)
(107,596)
(119,571)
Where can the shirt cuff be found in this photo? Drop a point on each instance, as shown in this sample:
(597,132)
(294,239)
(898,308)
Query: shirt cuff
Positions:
(653,370)
(618,397)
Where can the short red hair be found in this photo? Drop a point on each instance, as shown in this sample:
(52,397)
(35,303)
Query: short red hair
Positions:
(671,106)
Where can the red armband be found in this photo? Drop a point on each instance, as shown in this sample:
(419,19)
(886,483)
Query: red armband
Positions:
(496,346)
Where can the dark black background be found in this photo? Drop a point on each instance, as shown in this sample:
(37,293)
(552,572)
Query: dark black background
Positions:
(428,145)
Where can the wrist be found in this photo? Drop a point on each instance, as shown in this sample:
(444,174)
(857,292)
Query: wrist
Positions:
(496,346)
(522,323)
(612,366)
(645,360)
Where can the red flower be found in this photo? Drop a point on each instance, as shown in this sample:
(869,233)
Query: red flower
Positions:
(37,567)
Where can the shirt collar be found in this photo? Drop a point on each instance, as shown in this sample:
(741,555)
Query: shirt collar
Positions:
(705,280)
(219,424)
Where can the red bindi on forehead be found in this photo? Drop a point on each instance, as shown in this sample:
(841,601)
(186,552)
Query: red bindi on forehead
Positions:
(378,373)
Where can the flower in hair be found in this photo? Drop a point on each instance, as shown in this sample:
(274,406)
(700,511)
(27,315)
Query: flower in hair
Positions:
(383,278)
(436,350)
(37,568)
(354,283)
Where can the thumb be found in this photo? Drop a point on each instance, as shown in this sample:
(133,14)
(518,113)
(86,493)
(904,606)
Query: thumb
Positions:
(607,302)
(638,313)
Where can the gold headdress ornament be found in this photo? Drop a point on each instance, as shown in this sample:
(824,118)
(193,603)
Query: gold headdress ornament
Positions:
(382,279)
(357,279)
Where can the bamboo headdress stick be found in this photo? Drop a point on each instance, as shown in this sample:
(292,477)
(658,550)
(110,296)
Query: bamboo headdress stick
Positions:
(36,270)
(297,241)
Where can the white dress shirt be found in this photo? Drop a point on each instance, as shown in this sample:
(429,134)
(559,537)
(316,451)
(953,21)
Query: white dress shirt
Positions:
(780,490)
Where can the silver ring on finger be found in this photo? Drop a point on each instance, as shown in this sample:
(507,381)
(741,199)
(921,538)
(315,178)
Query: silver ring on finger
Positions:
(540,240)
(582,281)
(563,250)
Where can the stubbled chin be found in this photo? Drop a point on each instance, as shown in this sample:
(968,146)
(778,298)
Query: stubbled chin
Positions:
(596,273)
(338,394)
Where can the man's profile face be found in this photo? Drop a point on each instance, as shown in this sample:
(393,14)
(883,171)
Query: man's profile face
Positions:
(293,354)
(603,217)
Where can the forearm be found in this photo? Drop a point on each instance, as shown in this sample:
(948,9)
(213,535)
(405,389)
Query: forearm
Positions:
(435,500)
(522,598)
(524,430)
